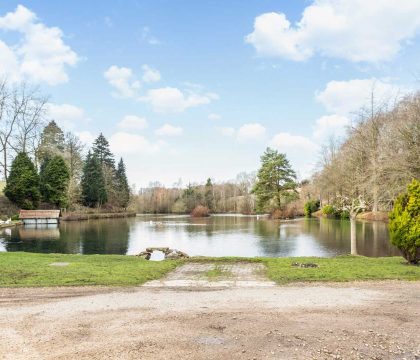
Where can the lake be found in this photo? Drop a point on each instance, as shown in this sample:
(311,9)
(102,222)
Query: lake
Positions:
(220,235)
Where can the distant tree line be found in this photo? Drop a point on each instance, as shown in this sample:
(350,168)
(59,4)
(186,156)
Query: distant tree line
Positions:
(43,166)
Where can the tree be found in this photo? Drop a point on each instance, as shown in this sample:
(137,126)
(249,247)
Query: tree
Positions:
(276,181)
(404,224)
(123,189)
(93,183)
(209,195)
(22,185)
(54,178)
(102,151)
(52,143)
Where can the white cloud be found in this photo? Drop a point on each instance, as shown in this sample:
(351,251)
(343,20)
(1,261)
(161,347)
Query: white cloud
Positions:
(169,130)
(66,115)
(330,125)
(170,99)
(132,122)
(284,141)
(214,117)
(149,37)
(86,137)
(356,30)
(253,131)
(347,97)
(122,79)
(150,74)
(226,131)
(123,143)
(40,55)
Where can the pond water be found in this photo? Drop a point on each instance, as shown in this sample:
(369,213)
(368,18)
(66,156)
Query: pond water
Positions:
(215,236)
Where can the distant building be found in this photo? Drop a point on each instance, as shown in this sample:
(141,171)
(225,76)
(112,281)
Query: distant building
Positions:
(39,217)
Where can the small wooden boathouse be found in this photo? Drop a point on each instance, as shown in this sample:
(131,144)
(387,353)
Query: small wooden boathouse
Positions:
(39,217)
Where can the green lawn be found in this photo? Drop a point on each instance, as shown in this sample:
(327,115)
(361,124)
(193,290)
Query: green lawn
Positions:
(28,269)
(341,268)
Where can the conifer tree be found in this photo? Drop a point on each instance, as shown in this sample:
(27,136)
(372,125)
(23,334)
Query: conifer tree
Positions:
(209,195)
(93,183)
(22,186)
(52,142)
(54,178)
(123,188)
(102,152)
(276,181)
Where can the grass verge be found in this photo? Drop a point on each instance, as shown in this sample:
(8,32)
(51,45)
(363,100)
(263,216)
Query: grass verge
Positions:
(341,268)
(28,269)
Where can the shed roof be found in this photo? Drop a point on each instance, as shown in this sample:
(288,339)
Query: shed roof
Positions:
(39,214)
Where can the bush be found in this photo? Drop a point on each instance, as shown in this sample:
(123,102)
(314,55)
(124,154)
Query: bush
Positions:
(344,214)
(15,217)
(328,210)
(404,224)
(200,211)
(310,207)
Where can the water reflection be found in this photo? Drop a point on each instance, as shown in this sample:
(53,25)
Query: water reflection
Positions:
(214,236)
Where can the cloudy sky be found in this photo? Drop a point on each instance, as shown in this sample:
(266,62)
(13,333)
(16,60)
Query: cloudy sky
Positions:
(191,89)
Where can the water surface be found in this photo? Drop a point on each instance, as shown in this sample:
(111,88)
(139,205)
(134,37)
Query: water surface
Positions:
(214,236)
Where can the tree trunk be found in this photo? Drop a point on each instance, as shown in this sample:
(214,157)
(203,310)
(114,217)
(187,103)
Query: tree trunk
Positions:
(353,243)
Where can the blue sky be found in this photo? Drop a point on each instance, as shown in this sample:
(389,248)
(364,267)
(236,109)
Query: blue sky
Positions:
(192,89)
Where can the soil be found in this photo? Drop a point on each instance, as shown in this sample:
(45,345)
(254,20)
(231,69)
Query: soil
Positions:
(240,315)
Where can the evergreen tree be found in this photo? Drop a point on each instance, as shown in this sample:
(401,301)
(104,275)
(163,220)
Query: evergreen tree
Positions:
(52,142)
(123,189)
(93,183)
(276,181)
(54,178)
(102,152)
(209,195)
(22,186)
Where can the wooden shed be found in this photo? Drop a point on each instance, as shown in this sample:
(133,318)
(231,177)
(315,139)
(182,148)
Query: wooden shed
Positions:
(39,217)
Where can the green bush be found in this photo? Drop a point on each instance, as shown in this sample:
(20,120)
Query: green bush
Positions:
(15,217)
(344,214)
(310,207)
(404,224)
(328,210)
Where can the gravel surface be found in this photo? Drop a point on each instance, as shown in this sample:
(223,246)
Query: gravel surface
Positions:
(365,320)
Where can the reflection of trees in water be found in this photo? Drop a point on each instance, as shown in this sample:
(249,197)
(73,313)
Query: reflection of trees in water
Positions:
(273,239)
(39,240)
(99,236)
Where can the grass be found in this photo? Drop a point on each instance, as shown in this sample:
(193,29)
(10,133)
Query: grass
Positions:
(341,268)
(217,273)
(28,269)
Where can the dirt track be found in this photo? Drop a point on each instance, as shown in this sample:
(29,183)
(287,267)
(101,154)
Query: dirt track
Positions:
(372,320)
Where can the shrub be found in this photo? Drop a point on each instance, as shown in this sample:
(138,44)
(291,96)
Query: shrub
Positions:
(328,210)
(310,207)
(344,214)
(200,211)
(404,224)
(15,217)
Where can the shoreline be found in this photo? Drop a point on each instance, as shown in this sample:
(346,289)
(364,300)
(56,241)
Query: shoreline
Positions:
(96,216)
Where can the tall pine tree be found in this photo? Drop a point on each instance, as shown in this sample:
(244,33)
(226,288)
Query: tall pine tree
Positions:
(276,181)
(209,195)
(52,143)
(54,178)
(93,183)
(123,190)
(22,186)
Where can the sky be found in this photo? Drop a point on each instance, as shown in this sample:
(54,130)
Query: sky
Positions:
(186,89)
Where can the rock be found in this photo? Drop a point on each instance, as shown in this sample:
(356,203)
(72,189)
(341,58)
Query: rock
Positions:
(305,265)
(145,255)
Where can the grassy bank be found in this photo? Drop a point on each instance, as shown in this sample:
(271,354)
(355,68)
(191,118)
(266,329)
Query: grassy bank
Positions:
(27,269)
(95,216)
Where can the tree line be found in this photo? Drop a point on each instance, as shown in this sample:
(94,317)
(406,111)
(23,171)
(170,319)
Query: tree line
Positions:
(43,166)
